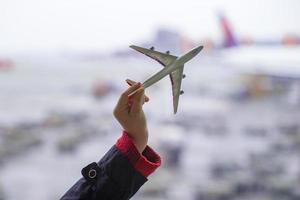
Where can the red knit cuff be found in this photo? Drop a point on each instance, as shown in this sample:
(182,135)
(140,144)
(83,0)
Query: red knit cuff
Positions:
(144,163)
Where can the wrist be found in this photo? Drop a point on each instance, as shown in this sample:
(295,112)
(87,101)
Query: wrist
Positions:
(137,134)
(140,139)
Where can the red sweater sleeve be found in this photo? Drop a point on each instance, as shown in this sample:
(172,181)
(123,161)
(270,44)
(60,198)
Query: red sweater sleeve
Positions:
(144,163)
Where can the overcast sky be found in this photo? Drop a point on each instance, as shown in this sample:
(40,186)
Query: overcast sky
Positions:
(103,25)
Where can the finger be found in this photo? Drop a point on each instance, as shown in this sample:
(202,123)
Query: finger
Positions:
(131,82)
(132,88)
(138,100)
(123,100)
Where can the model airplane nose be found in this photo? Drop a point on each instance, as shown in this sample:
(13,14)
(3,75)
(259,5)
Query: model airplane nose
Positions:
(188,56)
(197,50)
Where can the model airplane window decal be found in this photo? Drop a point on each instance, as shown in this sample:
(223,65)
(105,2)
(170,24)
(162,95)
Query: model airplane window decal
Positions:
(173,66)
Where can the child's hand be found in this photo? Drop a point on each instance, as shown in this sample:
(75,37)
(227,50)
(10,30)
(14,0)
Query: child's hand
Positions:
(130,83)
(130,115)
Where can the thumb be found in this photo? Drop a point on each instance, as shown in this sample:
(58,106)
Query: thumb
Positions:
(138,100)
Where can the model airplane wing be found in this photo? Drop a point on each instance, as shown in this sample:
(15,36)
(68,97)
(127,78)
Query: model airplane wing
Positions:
(176,78)
(162,58)
(173,67)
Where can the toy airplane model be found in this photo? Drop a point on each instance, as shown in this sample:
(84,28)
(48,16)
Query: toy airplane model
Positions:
(173,66)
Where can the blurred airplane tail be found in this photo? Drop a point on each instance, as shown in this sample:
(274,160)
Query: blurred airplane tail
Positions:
(228,37)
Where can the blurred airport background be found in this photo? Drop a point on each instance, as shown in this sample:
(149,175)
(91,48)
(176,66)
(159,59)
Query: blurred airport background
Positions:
(236,135)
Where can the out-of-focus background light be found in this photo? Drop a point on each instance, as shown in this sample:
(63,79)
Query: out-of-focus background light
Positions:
(105,25)
(236,135)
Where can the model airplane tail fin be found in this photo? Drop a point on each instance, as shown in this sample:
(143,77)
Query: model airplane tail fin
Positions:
(229,39)
(188,56)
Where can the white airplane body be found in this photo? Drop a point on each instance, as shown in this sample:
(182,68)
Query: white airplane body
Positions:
(277,62)
(173,66)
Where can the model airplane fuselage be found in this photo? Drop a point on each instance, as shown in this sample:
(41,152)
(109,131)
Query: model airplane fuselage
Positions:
(173,66)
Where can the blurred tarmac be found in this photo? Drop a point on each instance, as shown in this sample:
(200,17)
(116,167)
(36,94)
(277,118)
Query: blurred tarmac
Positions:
(217,147)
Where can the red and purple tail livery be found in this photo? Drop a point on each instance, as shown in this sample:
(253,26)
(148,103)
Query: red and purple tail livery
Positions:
(229,40)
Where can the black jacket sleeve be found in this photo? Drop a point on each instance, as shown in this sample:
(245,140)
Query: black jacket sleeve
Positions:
(117,176)
(112,178)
